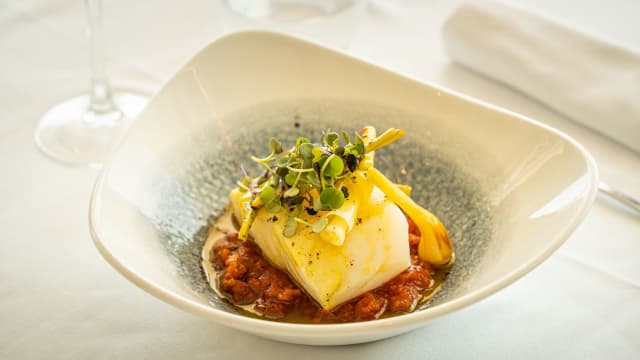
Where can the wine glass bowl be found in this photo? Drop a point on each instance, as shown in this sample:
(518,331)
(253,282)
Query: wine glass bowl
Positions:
(74,133)
(85,129)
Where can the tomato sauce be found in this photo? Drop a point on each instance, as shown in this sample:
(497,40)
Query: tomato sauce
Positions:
(245,277)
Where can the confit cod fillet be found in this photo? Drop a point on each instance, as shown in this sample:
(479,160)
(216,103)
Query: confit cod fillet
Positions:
(374,249)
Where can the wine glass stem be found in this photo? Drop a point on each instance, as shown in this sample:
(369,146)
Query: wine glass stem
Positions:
(101,101)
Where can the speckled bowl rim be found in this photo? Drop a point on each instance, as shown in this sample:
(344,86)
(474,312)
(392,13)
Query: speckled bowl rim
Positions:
(414,319)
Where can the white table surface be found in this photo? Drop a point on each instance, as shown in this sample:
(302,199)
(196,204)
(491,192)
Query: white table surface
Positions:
(60,300)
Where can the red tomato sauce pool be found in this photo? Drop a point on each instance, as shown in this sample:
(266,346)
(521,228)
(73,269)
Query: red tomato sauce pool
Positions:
(245,277)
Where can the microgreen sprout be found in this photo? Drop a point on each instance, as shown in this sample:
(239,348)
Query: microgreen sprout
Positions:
(308,176)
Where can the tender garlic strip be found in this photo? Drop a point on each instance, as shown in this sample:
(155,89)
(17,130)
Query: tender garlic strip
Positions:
(435,245)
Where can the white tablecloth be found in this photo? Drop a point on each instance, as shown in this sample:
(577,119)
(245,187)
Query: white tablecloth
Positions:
(60,300)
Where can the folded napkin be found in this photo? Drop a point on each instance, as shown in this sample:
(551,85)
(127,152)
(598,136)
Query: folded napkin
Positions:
(587,79)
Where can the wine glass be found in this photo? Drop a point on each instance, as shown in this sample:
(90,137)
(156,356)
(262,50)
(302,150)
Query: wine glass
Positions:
(86,128)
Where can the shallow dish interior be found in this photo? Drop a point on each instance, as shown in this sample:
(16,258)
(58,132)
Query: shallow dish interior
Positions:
(509,190)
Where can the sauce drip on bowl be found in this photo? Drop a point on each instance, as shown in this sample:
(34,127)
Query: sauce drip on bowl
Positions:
(239,273)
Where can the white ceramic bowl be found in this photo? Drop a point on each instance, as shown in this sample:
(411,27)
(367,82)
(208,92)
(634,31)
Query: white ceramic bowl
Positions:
(509,189)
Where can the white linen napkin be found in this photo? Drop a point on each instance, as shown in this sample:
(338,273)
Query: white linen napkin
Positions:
(589,80)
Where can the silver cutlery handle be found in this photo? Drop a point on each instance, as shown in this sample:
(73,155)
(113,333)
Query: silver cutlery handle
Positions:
(619,196)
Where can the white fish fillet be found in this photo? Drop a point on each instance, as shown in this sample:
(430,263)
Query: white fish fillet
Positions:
(375,250)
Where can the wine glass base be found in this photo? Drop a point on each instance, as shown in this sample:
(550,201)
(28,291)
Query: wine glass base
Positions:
(70,133)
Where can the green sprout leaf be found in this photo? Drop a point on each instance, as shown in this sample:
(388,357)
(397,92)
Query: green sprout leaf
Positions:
(268,194)
(306,151)
(290,227)
(302,140)
(334,167)
(275,146)
(331,139)
(292,192)
(290,178)
(346,138)
(358,146)
(311,178)
(317,153)
(273,207)
(331,198)
(320,224)
(284,161)
(271,199)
